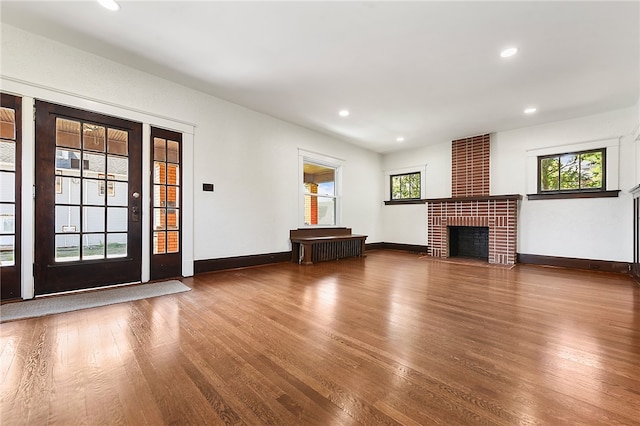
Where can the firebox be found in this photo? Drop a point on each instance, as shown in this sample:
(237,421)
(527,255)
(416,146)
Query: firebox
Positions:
(469,241)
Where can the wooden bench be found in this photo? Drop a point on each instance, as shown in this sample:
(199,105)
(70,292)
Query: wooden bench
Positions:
(310,245)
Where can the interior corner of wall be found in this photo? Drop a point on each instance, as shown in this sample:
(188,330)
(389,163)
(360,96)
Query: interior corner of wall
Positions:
(532,175)
(636,132)
(613,168)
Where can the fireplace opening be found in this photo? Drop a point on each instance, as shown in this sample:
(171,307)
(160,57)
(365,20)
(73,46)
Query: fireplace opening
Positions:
(469,241)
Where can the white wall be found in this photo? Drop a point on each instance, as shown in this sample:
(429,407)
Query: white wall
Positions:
(597,228)
(253,162)
(251,158)
(407,224)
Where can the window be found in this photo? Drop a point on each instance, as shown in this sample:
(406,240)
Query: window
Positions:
(572,172)
(405,186)
(319,194)
(320,189)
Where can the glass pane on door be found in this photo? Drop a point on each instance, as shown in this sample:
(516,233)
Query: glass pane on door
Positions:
(173,219)
(116,245)
(7,187)
(93,246)
(116,219)
(67,219)
(117,142)
(67,248)
(7,231)
(67,133)
(7,250)
(7,155)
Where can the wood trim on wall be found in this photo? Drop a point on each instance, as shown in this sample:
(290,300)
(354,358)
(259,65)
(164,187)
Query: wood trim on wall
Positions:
(479,198)
(635,271)
(374,246)
(397,246)
(575,263)
(209,265)
(576,194)
(456,199)
(400,202)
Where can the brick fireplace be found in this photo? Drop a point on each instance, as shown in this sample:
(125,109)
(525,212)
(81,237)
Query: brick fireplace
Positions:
(471,205)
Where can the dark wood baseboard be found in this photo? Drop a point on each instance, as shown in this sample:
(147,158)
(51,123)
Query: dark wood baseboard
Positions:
(575,263)
(396,246)
(635,271)
(374,246)
(209,265)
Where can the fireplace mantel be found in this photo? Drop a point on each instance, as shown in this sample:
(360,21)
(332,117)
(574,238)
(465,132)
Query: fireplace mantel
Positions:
(477,198)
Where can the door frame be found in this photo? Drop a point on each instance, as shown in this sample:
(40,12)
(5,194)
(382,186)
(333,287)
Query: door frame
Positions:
(29,91)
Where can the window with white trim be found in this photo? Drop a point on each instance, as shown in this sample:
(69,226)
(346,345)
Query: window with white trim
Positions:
(320,191)
(406,185)
(580,170)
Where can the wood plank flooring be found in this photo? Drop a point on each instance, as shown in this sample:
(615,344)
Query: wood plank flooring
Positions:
(393,338)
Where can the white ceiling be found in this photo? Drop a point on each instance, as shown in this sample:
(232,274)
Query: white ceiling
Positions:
(429,71)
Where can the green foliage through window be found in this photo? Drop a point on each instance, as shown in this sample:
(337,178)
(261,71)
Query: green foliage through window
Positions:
(574,171)
(405,186)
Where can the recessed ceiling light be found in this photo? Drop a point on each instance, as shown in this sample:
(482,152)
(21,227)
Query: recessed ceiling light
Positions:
(506,53)
(109,4)
(399,139)
(530,110)
(344,113)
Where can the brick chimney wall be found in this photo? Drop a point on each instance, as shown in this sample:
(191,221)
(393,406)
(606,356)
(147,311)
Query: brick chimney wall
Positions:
(470,166)
(470,178)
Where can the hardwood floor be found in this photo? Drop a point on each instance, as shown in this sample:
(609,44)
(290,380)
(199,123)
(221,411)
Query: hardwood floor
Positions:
(389,339)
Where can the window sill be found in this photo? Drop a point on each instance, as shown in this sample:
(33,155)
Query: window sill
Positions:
(580,194)
(400,202)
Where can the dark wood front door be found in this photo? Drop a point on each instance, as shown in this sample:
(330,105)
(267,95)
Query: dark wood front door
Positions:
(88,199)
(166,238)
(10,149)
